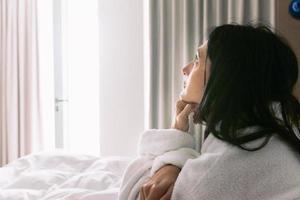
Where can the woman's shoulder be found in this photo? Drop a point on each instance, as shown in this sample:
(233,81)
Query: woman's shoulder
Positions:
(224,167)
(276,149)
(276,161)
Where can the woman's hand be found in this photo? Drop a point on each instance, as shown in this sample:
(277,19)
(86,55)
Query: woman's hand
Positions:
(183,110)
(160,185)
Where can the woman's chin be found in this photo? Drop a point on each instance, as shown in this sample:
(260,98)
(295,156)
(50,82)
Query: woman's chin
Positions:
(188,98)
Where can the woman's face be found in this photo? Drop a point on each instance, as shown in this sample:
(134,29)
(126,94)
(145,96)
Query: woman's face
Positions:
(196,71)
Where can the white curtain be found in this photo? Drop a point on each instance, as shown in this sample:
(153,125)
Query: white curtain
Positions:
(20,113)
(176,29)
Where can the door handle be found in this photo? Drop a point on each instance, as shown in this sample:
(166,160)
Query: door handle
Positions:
(57,100)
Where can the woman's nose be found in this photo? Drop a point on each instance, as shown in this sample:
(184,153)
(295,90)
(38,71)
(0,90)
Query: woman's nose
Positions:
(187,69)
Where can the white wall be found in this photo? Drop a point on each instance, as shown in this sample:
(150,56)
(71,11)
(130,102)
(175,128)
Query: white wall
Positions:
(121,76)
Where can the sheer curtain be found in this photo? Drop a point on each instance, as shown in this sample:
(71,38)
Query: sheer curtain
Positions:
(21,125)
(176,28)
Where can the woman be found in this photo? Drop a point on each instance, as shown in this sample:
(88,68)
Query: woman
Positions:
(240,86)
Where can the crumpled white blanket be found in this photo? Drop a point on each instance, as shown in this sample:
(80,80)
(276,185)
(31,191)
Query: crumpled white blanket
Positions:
(62,176)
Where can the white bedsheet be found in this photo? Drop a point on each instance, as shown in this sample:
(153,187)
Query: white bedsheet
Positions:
(62,176)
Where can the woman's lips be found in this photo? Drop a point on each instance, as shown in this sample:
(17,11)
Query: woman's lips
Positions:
(185,80)
(184,85)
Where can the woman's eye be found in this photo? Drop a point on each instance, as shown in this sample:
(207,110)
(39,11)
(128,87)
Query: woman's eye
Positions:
(197,57)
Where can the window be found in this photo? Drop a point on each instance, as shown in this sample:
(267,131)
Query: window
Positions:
(97,73)
(76,62)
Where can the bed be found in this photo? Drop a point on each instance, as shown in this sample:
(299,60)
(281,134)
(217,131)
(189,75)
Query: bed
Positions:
(60,175)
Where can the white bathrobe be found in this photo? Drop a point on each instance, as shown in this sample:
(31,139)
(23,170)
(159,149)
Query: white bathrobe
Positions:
(222,171)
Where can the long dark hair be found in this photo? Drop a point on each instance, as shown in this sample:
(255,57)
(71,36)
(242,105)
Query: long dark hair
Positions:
(253,73)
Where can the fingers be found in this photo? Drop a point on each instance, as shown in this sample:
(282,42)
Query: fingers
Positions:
(154,191)
(168,194)
(141,194)
(180,106)
(160,183)
(144,191)
(186,111)
(183,110)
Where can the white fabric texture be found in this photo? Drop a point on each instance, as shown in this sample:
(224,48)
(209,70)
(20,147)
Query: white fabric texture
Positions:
(154,144)
(172,147)
(223,171)
(60,175)
(134,177)
(156,148)
(177,158)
